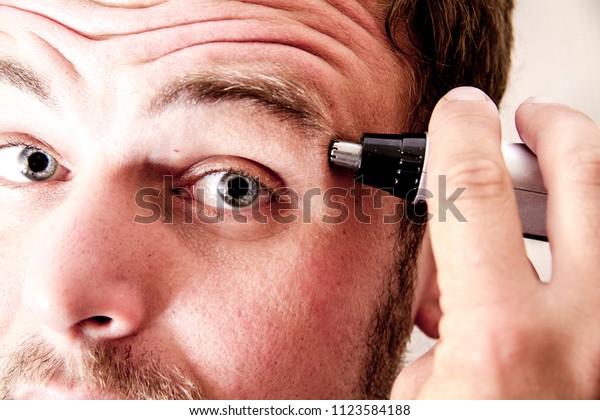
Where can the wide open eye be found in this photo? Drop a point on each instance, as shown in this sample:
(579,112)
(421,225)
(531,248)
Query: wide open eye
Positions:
(23,164)
(229,190)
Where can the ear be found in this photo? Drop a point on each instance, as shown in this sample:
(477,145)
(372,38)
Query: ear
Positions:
(426,308)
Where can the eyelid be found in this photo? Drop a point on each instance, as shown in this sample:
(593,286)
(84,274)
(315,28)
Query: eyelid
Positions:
(26,140)
(8,140)
(231,164)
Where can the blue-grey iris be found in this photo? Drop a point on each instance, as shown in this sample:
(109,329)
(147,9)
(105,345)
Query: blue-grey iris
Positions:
(36,164)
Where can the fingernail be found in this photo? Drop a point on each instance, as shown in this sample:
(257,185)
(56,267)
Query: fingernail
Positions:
(540,100)
(466,93)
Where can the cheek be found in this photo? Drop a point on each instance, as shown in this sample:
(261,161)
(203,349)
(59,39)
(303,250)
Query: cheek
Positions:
(291,321)
(14,251)
(9,288)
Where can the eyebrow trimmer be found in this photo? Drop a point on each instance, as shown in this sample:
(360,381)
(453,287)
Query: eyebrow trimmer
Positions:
(397,163)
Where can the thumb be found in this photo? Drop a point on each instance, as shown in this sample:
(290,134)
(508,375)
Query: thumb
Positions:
(411,379)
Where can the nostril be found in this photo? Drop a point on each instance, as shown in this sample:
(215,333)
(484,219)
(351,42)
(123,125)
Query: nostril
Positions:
(99,320)
(95,323)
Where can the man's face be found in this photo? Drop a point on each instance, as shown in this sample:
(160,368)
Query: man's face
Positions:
(106,102)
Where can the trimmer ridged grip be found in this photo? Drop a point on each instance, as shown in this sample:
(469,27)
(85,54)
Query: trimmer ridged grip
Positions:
(393,162)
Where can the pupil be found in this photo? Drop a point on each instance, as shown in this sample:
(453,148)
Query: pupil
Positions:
(38,162)
(238,187)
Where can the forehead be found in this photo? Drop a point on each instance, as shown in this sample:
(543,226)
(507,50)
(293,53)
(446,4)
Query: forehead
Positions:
(109,20)
(132,46)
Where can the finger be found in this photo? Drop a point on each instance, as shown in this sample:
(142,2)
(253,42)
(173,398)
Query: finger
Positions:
(411,379)
(567,143)
(479,252)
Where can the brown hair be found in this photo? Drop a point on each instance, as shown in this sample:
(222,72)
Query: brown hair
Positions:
(452,43)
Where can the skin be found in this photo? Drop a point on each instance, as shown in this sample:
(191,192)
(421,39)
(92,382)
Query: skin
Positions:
(280,310)
(245,311)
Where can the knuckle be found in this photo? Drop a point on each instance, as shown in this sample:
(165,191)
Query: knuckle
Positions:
(480,178)
(583,167)
(465,121)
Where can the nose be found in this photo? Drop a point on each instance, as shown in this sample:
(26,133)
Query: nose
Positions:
(87,273)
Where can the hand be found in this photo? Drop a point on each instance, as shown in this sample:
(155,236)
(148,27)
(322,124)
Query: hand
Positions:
(504,334)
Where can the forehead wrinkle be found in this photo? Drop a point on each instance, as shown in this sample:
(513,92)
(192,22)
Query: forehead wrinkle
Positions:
(68,64)
(119,4)
(279,96)
(106,26)
(369,19)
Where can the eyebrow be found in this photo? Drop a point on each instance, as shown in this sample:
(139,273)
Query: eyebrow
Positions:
(282,97)
(19,76)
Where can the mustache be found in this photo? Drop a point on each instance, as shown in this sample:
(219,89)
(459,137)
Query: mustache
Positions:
(111,370)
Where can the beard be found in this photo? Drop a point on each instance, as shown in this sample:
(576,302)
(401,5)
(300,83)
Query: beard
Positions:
(391,325)
(106,371)
(112,372)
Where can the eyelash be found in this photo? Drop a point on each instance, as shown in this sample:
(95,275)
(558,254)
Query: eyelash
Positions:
(34,145)
(188,180)
(237,171)
(266,181)
(11,143)
(17,140)
(272,191)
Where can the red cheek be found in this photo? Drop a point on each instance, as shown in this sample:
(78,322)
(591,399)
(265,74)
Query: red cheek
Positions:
(327,284)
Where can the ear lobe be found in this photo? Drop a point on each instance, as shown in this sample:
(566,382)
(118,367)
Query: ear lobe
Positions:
(427,295)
